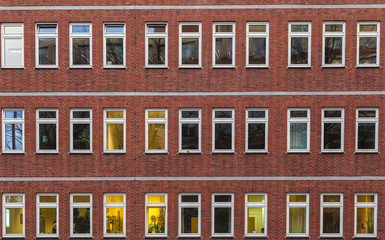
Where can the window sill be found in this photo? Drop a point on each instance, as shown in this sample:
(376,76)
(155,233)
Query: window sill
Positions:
(13,153)
(196,237)
(332,153)
(261,152)
(165,237)
(228,237)
(232,152)
(81,67)
(117,67)
(189,153)
(299,66)
(366,152)
(331,66)
(156,67)
(221,67)
(368,66)
(256,237)
(85,237)
(335,237)
(298,152)
(263,67)
(190,67)
(152,153)
(80,153)
(112,153)
(15,68)
(365,237)
(297,237)
(46,153)
(47,67)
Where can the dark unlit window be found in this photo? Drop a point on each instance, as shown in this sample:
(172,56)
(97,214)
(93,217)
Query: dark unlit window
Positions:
(223,45)
(334,44)
(256,128)
(81,40)
(46,45)
(368,54)
(257,44)
(81,134)
(223,130)
(47,130)
(367,130)
(156,44)
(299,44)
(114,45)
(190,45)
(190,130)
(332,130)
(189,215)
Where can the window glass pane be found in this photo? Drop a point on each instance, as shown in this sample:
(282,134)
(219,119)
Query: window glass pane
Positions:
(222,220)
(331,220)
(156,50)
(190,28)
(13,114)
(13,51)
(365,220)
(299,113)
(47,114)
(332,135)
(47,136)
(157,28)
(156,136)
(81,136)
(255,220)
(332,198)
(156,219)
(13,134)
(81,51)
(190,50)
(47,199)
(223,133)
(256,198)
(257,51)
(115,29)
(222,198)
(189,198)
(114,220)
(256,135)
(223,28)
(47,51)
(257,28)
(256,114)
(114,51)
(156,114)
(223,114)
(332,113)
(190,136)
(368,50)
(80,28)
(47,28)
(333,50)
(14,220)
(297,198)
(115,136)
(223,50)
(13,29)
(156,199)
(115,199)
(82,114)
(298,135)
(81,220)
(189,219)
(366,136)
(365,198)
(333,27)
(297,220)
(366,113)
(47,221)
(299,28)
(81,199)
(115,114)
(190,114)
(14,199)
(299,50)
(368,27)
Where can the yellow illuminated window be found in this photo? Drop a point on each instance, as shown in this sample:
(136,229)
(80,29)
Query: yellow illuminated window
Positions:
(255,220)
(297,198)
(14,221)
(47,199)
(114,130)
(82,199)
(156,198)
(115,136)
(48,221)
(331,198)
(156,136)
(297,220)
(365,220)
(156,114)
(255,198)
(365,198)
(156,219)
(115,114)
(115,199)
(114,221)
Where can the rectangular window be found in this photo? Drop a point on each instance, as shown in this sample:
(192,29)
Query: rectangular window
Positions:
(13,215)
(334,44)
(223,130)
(257,45)
(297,215)
(256,129)
(332,130)
(190,45)
(47,215)
(81,215)
(115,130)
(189,130)
(12,42)
(299,44)
(256,215)
(46,45)
(47,131)
(365,215)
(331,215)
(156,130)
(114,51)
(189,215)
(367,130)
(368,44)
(81,130)
(114,215)
(156,215)
(156,45)
(222,215)
(13,130)
(298,128)
(224,44)
(80,45)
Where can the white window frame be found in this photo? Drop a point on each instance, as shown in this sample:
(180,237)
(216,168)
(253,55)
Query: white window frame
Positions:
(157,121)
(80,121)
(13,121)
(297,205)
(189,205)
(334,34)
(114,35)
(114,121)
(80,35)
(367,120)
(365,205)
(147,205)
(190,35)
(156,35)
(224,35)
(264,120)
(80,205)
(223,120)
(222,205)
(257,35)
(47,205)
(368,34)
(190,120)
(298,120)
(46,35)
(114,205)
(13,205)
(339,205)
(47,121)
(11,36)
(300,34)
(340,120)
(255,205)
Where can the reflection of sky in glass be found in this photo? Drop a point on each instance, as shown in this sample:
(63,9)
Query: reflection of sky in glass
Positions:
(14,114)
(114,29)
(81,29)
(13,136)
(47,29)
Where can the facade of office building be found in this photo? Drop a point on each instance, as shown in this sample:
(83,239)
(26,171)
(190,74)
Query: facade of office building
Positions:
(202,119)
